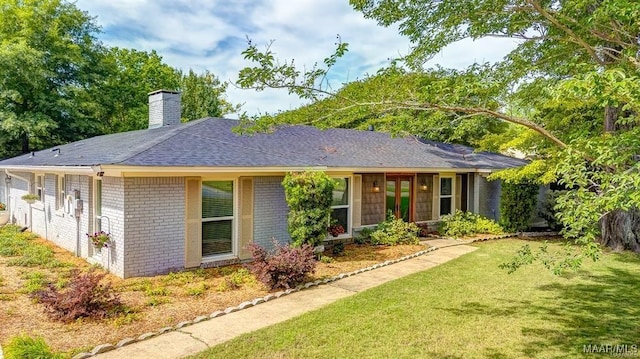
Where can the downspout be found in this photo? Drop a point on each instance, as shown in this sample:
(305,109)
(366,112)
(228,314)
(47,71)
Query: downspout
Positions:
(12,175)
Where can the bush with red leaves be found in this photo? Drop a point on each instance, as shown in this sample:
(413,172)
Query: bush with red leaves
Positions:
(84,297)
(283,267)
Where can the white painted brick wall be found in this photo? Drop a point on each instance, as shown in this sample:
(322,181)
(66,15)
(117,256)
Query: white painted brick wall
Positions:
(113,258)
(164,109)
(270,211)
(154,225)
(50,222)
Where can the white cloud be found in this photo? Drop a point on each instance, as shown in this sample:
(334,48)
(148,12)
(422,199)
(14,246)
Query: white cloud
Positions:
(201,34)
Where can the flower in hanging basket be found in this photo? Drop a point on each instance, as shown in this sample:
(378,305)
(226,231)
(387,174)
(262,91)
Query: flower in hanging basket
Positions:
(3,207)
(30,198)
(100,239)
(336,230)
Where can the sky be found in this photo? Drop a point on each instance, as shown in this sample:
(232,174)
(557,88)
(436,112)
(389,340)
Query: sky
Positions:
(211,35)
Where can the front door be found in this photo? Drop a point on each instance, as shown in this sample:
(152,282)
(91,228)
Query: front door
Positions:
(399,191)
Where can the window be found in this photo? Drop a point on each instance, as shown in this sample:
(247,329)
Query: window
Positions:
(60,192)
(217,217)
(340,203)
(446,195)
(40,187)
(98,204)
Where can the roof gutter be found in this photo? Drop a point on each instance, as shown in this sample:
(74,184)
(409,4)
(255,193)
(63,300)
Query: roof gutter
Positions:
(86,170)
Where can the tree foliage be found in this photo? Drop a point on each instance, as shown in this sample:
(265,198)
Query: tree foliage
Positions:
(60,84)
(49,58)
(570,86)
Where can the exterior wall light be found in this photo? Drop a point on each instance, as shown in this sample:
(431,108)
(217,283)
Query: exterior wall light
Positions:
(375,188)
(423,186)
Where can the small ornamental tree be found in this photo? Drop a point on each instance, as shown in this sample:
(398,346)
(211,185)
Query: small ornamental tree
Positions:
(309,196)
(517,205)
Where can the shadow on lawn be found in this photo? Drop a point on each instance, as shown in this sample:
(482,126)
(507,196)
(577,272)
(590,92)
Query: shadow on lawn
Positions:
(591,308)
(603,310)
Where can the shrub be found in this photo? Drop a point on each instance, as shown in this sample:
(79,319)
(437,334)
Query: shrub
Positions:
(462,224)
(84,297)
(284,266)
(517,205)
(395,231)
(338,249)
(309,195)
(326,259)
(26,347)
(364,236)
(197,290)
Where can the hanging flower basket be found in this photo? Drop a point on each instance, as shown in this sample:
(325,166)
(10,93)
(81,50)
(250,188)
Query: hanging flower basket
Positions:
(30,198)
(100,239)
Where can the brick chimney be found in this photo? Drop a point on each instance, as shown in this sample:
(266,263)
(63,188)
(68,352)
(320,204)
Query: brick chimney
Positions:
(164,108)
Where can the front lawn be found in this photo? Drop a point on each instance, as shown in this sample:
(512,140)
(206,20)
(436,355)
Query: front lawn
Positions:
(28,263)
(466,308)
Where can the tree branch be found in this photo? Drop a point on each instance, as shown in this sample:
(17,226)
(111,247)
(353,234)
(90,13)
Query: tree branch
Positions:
(577,39)
(395,105)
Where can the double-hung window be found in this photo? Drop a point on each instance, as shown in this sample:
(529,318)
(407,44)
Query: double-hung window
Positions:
(40,187)
(217,218)
(340,203)
(446,195)
(60,192)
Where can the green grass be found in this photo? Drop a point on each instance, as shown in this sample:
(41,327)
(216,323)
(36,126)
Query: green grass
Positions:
(34,281)
(466,308)
(25,252)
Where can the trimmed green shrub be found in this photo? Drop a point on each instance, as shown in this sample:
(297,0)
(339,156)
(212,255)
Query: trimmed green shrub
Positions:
(283,267)
(395,231)
(462,224)
(309,195)
(26,347)
(517,205)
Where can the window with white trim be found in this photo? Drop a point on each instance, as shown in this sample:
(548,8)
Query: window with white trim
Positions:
(446,195)
(340,206)
(217,218)
(40,187)
(60,192)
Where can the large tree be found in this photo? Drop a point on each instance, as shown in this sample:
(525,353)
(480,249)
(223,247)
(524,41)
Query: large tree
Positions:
(49,58)
(60,84)
(571,83)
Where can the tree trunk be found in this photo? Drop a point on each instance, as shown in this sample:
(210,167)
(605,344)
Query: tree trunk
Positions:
(620,230)
(610,118)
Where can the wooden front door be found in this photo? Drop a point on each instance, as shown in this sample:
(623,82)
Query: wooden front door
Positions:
(399,192)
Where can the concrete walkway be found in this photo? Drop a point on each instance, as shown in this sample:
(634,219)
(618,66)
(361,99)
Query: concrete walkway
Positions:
(195,338)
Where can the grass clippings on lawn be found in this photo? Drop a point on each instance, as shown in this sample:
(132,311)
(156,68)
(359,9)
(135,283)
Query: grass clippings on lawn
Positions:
(467,308)
(151,303)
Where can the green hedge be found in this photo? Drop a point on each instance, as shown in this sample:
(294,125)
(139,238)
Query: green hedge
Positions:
(517,204)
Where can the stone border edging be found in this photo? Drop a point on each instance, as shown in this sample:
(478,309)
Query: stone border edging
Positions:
(101,348)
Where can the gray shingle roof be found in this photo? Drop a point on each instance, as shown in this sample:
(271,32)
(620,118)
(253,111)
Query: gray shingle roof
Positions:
(210,142)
